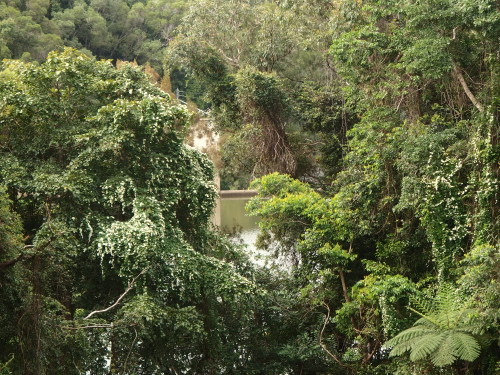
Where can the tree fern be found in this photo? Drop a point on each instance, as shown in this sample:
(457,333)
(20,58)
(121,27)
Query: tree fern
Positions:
(443,333)
(466,346)
(426,345)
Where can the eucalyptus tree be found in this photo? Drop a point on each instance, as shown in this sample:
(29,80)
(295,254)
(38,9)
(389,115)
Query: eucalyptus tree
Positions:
(256,59)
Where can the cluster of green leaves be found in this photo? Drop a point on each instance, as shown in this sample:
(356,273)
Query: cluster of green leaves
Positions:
(117,29)
(414,194)
(118,268)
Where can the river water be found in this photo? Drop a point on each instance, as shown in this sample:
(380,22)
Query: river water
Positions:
(243,228)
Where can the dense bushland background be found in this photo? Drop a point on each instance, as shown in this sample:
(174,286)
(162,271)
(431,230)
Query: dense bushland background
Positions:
(370,130)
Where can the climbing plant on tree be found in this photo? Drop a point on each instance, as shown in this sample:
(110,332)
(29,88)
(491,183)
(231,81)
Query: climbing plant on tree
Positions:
(256,60)
(119,252)
(417,191)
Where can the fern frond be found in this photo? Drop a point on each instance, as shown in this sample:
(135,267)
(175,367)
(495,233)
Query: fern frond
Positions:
(422,305)
(444,355)
(408,335)
(426,345)
(465,346)
(399,349)
(470,329)
(445,299)
(428,322)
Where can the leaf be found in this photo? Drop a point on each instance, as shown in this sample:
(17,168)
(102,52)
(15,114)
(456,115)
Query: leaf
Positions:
(426,345)
(444,355)
(407,336)
(465,346)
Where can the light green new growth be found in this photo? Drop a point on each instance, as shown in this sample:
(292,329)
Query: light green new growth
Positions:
(444,333)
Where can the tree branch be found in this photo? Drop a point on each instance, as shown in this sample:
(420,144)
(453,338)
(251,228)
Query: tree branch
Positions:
(129,288)
(22,256)
(11,262)
(323,345)
(90,326)
(130,351)
(372,353)
(344,285)
(469,93)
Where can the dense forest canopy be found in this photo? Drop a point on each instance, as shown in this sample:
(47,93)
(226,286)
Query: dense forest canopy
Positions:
(113,29)
(370,130)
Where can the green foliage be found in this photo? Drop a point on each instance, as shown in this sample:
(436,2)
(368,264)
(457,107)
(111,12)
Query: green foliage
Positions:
(433,164)
(127,30)
(10,230)
(284,206)
(12,287)
(444,333)
(383,114)
(23,34)
(242,53)
(481,282)
(4,367)
(114,207)
(414,195)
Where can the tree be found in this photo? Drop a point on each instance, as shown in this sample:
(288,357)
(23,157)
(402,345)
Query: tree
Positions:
(314,236)
(116,216)
(445,332)
(243,53)
(23,37)
(83,27)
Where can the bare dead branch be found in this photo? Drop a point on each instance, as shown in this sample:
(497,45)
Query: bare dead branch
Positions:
(129,288)
(467,91)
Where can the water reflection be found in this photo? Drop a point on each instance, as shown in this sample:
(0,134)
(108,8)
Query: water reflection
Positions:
(244,228)
(233,215)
